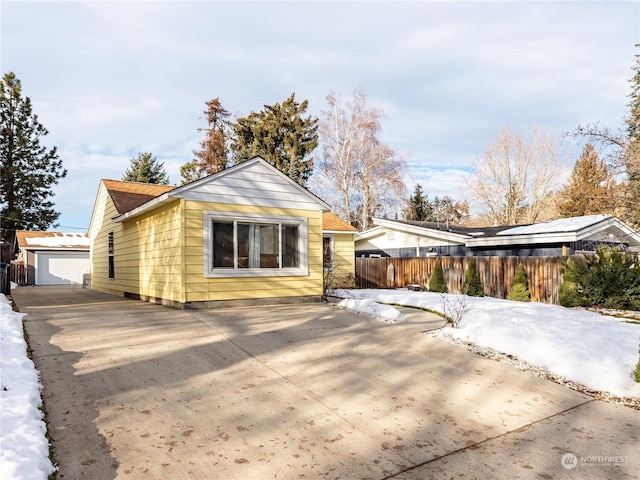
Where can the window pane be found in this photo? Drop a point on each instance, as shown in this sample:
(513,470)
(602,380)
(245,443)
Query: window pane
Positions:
(269,246)
(223,244)
(327,259)
(243,231)
(290,254)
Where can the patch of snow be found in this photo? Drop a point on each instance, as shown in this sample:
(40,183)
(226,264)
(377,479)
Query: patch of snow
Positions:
(60,240)
(386,313)
(556,226)
(597,351)
(25,448)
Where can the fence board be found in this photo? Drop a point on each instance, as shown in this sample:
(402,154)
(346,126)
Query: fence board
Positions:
(496,274)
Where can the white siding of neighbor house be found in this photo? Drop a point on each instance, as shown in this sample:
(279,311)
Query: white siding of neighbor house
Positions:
(399,239)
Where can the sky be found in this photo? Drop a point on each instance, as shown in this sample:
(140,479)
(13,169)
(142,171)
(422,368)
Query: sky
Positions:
(113,79)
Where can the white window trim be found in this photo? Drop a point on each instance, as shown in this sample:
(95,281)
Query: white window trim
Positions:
(210,272)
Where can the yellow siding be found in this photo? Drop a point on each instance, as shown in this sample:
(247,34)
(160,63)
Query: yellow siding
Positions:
(99,229)
(160,255)
(153,253)
(147,252)
(200,288)
(344,263)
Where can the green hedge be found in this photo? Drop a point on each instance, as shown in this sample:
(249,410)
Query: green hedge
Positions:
(609,279)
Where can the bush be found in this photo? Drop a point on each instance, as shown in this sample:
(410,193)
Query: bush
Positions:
(569,294)
(519,291)
(472,285)
(637,370)
(611,279)
(436,282)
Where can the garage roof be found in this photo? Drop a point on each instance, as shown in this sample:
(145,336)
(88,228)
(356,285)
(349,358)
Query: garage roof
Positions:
(29,240)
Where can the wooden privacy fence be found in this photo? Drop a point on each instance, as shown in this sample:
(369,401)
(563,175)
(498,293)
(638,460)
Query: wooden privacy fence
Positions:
(496,274)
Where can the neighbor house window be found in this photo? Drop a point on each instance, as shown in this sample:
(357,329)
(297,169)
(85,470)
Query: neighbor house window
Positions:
(112,271)
(254,245)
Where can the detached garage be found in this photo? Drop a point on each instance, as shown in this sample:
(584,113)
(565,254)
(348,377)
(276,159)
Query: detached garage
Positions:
(52,258)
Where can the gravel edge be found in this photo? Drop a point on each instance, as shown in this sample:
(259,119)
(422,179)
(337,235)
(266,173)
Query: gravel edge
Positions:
(512,361)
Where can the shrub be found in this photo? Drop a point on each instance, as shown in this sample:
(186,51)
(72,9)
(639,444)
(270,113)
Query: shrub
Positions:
(519,291)
(569,294)
(436,282)
(472,285)
(611,279)
(637,370)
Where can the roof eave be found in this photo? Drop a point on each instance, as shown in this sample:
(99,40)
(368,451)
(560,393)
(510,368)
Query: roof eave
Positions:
(422,231)
(150,205)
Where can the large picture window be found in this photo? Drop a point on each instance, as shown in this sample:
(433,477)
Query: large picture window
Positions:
(254,245)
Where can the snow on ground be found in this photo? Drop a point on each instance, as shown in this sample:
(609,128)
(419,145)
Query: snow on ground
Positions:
(24,449)
(596,351)
(371,308)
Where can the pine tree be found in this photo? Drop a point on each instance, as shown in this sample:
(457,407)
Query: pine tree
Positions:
(437,282)
(281,135)
(213,155)
(590,188)
(568,294)
(146,168)
(29,169)
(419,207)
(472,285)
(519,291)
(632,157)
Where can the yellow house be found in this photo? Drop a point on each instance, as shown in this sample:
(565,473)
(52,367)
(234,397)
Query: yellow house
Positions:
(338,252)
(248,234)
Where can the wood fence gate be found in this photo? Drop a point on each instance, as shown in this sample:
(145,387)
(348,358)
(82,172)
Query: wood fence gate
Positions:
(496,274)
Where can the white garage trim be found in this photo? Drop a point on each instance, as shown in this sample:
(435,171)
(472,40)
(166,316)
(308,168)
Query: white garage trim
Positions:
(61,268)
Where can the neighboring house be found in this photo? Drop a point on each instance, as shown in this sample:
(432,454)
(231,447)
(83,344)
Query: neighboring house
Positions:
(52,258)
(567,236)
(338,251)
(247,233)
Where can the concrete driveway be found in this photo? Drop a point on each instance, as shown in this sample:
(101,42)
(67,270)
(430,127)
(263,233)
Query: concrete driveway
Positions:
(137,390)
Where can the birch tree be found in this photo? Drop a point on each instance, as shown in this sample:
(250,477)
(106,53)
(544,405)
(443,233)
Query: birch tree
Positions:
(514,179)
(364,173)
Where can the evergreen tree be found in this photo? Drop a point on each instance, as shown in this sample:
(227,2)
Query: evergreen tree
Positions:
(590,188)
(29,169)
(472,285)
(146,168)
(437,282)
(569,291)
(213,155)
(281,135)
(420,208)
(632,157)
(519,291)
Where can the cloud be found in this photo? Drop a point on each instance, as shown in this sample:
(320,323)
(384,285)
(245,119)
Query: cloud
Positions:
(112,79)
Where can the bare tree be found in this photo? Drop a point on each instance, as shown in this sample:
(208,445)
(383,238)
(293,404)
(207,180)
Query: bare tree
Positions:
(364,173)
(514,179)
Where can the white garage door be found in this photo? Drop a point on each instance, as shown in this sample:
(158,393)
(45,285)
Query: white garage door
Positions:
(61,268)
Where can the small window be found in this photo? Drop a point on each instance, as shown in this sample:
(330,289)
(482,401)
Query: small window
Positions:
(111,255)
(254,245)
(327,252)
